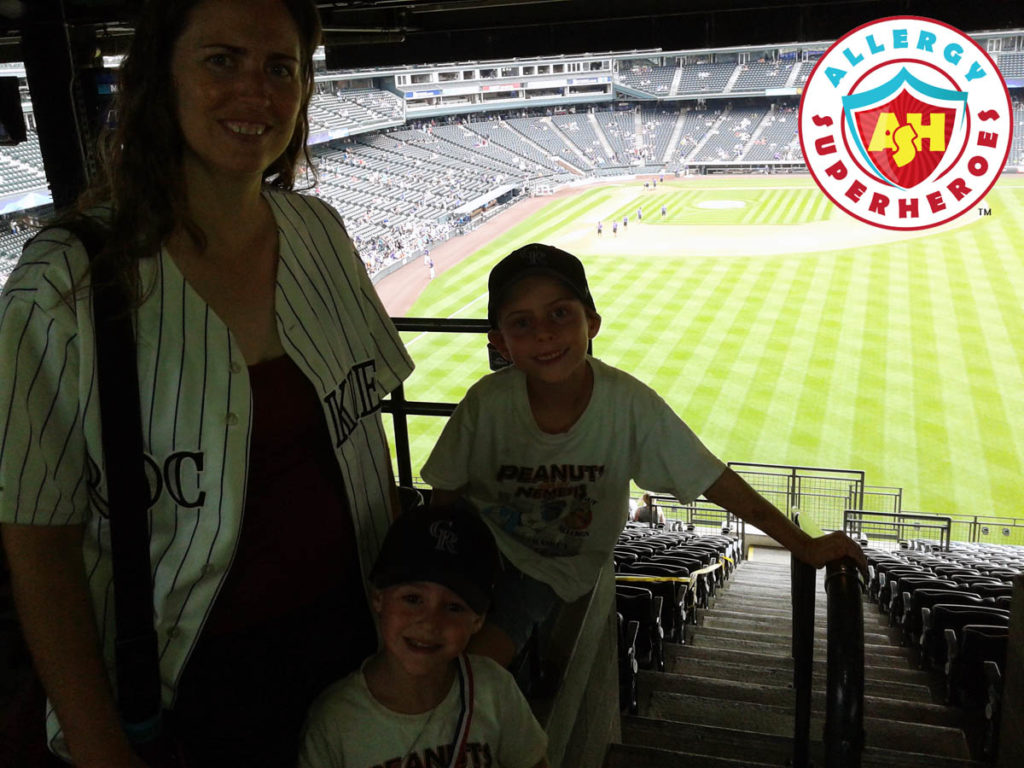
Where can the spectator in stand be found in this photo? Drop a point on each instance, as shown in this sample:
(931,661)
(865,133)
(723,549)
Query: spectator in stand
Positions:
(646,512)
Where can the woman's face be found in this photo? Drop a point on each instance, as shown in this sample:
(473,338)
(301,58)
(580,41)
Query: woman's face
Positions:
(238,83)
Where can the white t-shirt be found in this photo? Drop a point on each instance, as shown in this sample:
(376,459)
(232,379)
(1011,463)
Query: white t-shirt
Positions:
(348,728)
(556,503)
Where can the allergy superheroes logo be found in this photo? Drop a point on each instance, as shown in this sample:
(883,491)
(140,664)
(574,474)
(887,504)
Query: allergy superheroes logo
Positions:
(905,123)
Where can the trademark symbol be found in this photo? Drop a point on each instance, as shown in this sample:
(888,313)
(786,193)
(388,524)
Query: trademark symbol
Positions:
(984,211)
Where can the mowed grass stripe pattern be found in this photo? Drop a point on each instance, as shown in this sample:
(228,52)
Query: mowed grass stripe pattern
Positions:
(725,206)
(905,359)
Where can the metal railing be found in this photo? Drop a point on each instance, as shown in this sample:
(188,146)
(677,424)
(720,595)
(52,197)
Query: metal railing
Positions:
(400,408)
(822,491)
(899,527)
(843,735)
(699,512)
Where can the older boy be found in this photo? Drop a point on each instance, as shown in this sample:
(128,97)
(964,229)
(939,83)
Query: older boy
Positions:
(420,700)
(546,450)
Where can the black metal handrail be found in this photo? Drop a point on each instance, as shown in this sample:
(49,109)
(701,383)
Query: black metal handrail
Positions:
(400,408)
(844,685)
(804,580)
(844,696)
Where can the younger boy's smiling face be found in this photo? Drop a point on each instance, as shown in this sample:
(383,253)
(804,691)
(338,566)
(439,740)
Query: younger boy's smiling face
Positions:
(424,626)
(544,330)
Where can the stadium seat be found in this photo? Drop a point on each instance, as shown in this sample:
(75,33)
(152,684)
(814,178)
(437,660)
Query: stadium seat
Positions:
(967,652)
(640,605)
(942,616)
(672,594)
(905,586)
(887,577)
(926,598)
(627,634)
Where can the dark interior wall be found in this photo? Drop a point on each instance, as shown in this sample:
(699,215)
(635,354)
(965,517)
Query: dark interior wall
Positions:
(406,34)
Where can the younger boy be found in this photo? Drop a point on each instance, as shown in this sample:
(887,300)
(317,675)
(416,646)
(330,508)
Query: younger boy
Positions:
(546,449)
(420,700)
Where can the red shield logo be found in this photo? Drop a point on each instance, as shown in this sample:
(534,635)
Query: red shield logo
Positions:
(905,129)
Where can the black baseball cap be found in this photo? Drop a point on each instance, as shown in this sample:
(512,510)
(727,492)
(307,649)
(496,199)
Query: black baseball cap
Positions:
(450,546)
(535,259)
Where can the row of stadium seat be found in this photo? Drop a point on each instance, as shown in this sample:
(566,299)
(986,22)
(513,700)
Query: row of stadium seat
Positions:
(662,577)
(953,607)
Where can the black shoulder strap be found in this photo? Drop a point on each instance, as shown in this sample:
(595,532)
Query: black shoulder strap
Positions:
(128,502)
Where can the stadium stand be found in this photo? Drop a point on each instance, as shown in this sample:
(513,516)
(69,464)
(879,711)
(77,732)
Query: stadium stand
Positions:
(472,145)
(1011,64)
(730,140)
(501,133)
(702,78)
(737,654)
(540,132)
(656,127)
(777,137)
(757,75)
(642,76)
(619,129)
(951,607)
(718,117)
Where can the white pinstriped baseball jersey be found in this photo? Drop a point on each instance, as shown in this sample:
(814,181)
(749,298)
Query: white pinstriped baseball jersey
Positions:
(196,406)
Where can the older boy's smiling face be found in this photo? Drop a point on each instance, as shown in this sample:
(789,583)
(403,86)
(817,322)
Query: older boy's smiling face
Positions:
(544,329)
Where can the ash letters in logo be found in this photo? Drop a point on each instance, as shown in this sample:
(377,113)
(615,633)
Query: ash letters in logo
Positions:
(905,123)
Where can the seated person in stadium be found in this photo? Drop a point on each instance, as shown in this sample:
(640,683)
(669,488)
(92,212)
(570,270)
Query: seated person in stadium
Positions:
(546,449)
(254,317)
(645,511)
(420,697)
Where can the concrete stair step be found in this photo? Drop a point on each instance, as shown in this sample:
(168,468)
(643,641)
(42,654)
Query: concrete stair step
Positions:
(775,691)
(778,656)
(638,756)
(739,639)
(730,744)
(726,698)
(778,721)
(759,626)
(779,675)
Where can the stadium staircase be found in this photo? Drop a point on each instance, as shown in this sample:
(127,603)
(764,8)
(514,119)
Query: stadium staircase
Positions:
(712,131)
(673,142)
(677,77)
(584,160)
(726,697)
(762,124)
(606,148)
(732,79)
(794,72)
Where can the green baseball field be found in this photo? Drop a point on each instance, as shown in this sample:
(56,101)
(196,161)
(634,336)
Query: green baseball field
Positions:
(784,331)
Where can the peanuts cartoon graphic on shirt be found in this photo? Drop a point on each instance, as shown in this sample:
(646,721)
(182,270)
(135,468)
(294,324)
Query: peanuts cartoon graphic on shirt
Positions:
(549,507)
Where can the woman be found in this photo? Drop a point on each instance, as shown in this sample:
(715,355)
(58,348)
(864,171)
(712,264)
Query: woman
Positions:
(263,354)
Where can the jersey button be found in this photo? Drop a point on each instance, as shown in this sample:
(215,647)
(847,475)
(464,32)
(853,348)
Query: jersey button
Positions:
(172,632)
(236,367)
(231,419)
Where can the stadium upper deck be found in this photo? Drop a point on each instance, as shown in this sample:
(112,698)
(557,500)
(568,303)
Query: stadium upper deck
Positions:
(471,133)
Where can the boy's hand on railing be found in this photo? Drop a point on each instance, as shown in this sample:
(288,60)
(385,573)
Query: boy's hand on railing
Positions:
(834,546)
